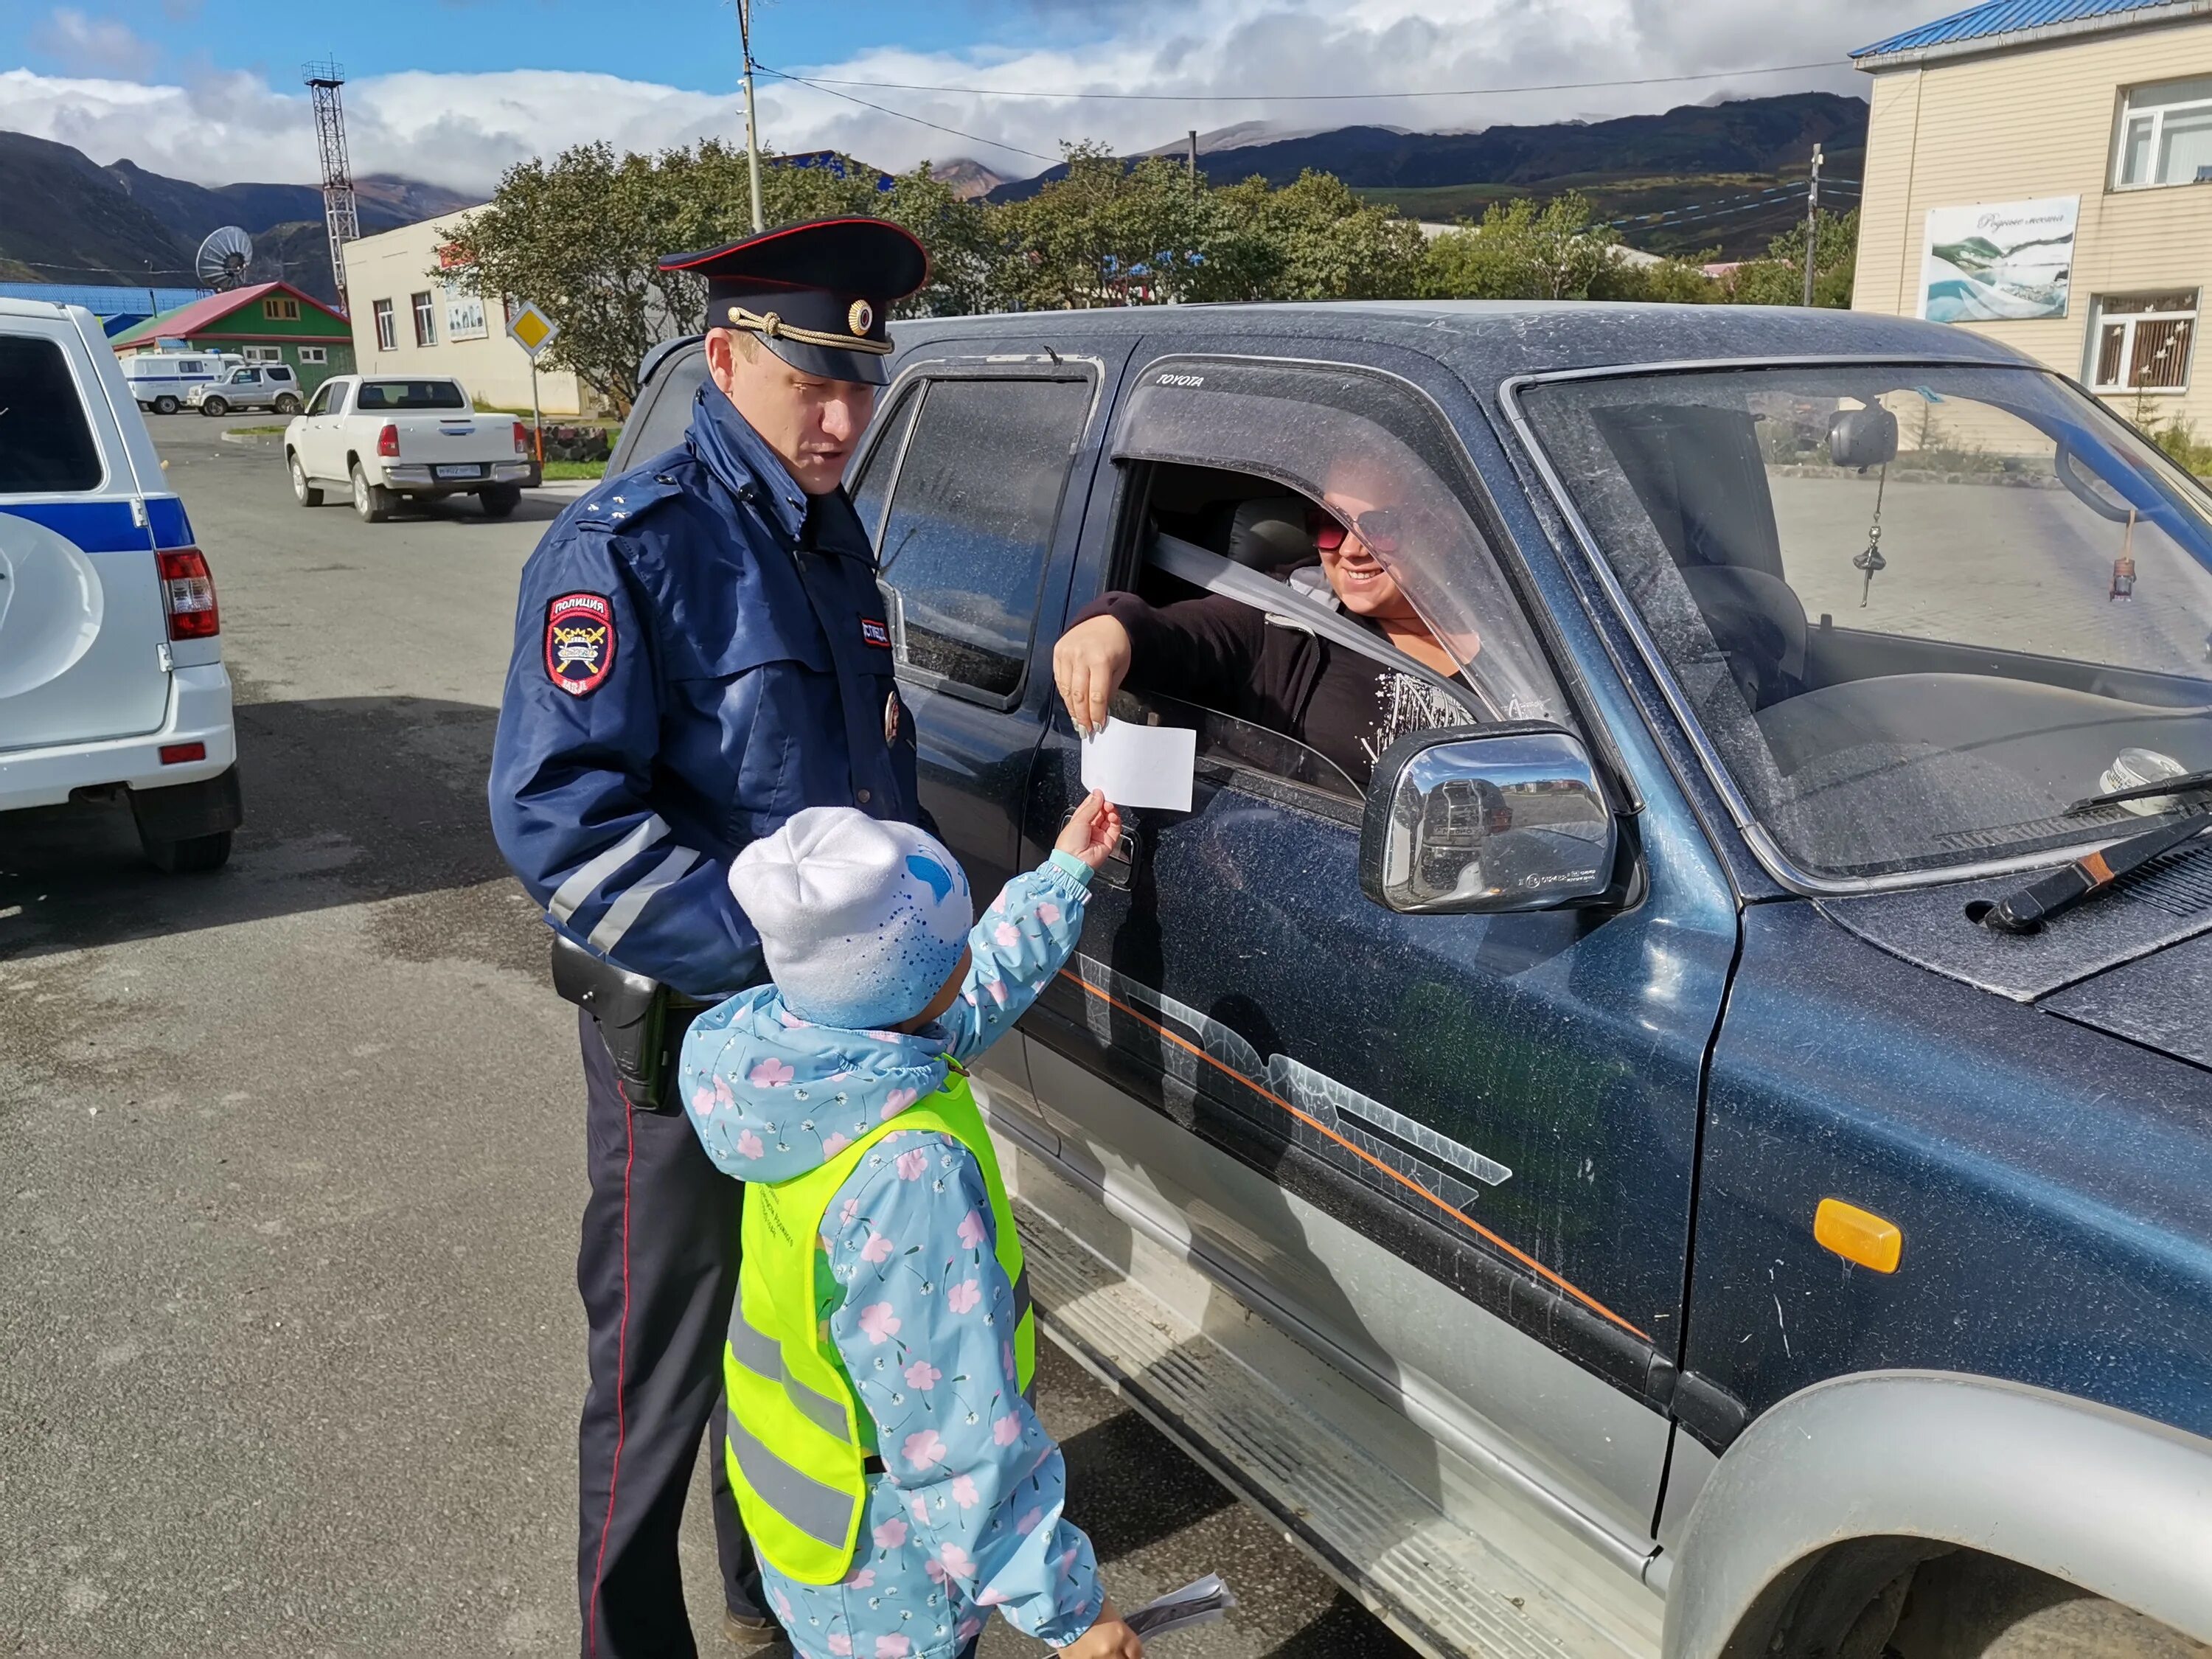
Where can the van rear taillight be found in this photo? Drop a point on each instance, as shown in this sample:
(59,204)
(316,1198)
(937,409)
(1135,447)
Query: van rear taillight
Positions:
(387,441)
(188,594)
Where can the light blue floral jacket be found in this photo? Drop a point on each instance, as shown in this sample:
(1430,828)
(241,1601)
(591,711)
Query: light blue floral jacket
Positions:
(967,1515)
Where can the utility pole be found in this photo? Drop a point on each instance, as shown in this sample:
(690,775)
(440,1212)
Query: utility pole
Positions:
(1812,222)
(752,126)
(1194,161)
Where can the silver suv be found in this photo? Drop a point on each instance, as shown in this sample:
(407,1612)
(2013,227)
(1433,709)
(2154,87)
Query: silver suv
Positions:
(254,386)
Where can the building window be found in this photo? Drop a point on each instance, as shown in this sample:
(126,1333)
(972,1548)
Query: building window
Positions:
(281,310)
(387,337)
(426,318)
(263,354)
(2140,341)
(314,354)
(2165,135)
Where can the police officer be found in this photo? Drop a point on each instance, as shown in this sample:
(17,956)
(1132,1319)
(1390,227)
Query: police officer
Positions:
(701,650)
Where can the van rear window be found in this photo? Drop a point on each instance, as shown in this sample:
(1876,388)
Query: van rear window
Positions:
(411,394)
(46,443)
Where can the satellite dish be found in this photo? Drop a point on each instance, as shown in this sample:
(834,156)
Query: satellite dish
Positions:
(223,258)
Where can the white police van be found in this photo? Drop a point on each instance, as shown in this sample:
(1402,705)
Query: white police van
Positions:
(112,681)
(164,381)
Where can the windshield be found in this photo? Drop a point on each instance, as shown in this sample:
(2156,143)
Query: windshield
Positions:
(411,394)
(1921,612)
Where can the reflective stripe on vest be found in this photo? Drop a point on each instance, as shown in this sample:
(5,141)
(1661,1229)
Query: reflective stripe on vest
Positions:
(803,1502)
(759,1354)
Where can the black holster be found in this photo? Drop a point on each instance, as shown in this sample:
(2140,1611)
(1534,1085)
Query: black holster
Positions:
(632,1013)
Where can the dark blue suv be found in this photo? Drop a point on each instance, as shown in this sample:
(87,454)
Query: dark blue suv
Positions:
(1707,1148)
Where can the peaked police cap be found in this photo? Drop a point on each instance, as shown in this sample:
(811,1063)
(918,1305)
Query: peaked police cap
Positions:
(816,293)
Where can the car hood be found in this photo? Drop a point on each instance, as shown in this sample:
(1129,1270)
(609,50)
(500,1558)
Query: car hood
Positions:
(2135,961)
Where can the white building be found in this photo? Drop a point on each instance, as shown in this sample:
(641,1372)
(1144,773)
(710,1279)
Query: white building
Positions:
(407,319)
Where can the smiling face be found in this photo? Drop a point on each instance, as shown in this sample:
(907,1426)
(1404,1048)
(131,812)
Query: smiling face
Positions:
(1355,566)
(812,424)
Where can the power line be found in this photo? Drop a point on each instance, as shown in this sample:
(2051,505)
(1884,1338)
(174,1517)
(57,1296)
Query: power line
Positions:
(826,83)
(884,109)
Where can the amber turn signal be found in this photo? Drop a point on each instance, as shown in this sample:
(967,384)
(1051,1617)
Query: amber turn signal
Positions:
(1858,1235)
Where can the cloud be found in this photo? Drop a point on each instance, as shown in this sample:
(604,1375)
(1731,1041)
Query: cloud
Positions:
(94,45)
(460,129)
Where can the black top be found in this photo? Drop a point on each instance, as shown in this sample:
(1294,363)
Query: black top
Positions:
(1221,653)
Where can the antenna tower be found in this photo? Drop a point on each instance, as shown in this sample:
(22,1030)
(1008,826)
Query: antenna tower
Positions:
(339,216)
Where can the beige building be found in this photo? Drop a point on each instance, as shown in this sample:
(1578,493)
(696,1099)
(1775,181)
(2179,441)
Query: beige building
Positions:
(407,319)
(2041,171)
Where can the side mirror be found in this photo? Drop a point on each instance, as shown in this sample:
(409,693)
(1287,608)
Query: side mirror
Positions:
(1486,820)
(1862,437)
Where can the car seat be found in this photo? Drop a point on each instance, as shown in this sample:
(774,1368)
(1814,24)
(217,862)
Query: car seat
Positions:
(1758,623)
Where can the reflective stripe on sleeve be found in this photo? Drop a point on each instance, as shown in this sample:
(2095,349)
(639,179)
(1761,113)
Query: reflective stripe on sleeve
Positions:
(760,1354)
(578,888)
(822,1513)
(624,910)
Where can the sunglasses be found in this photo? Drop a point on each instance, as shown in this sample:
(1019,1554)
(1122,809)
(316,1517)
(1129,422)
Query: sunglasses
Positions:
(1377,527)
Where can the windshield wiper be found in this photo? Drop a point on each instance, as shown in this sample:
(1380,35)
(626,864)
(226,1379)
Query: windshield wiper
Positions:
(2027,910)
(2180,783)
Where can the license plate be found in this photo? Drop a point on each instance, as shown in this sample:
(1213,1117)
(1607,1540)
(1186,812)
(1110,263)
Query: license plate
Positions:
(460,472)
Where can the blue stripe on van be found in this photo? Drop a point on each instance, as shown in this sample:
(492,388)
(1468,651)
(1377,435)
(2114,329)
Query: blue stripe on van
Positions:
(170,527)
(95,526)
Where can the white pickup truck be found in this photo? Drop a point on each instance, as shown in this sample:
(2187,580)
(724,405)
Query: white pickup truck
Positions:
(384,436)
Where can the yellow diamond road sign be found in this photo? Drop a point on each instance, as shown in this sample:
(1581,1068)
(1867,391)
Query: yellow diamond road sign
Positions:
(534,331)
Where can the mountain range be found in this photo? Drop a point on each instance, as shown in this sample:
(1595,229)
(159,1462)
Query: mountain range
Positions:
(64,218)
(1689,175)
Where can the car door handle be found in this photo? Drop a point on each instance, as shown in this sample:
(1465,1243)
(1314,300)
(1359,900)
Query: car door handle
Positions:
(1121,865)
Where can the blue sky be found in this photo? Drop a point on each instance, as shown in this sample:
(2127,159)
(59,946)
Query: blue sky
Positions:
(454,91)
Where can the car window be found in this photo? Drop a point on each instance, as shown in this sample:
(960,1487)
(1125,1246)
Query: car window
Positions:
(872,486)
(46,443)
(410,394)
(1362,444)
(1921,612)
(668,414)
(320,402)
(971,521)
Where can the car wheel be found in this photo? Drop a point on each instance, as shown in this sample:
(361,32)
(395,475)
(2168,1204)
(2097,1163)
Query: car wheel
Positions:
(303,492)
(287,403)
(188,854)
(165,405)
(215,406)
(373,502)
(500,500)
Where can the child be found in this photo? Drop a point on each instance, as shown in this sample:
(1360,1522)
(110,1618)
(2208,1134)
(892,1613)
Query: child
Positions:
(894,1480)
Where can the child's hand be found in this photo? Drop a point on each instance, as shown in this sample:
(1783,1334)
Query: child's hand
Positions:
(1093,833)
(1110,1638)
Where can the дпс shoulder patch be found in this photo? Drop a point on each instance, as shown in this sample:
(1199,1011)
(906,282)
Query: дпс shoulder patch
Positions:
(579,642)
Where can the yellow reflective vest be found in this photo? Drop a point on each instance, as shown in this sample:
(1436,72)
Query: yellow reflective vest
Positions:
(800,1442)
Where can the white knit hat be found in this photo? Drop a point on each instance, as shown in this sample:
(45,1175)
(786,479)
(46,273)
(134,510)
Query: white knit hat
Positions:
(861,921)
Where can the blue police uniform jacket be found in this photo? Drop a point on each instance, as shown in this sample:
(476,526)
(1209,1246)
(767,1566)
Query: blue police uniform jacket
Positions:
(701,650)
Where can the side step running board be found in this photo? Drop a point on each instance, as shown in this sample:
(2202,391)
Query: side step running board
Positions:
(1449,1592)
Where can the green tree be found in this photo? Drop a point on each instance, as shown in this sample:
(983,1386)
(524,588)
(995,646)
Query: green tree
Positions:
(1524,250)
(1779,278)
(1109,234)
(1311,240)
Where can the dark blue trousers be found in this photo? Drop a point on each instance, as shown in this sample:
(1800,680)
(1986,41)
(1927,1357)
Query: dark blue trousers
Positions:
(658,1270)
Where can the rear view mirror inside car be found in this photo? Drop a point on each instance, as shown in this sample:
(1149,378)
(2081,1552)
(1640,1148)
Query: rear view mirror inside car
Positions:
(1486,820)
(1863,438)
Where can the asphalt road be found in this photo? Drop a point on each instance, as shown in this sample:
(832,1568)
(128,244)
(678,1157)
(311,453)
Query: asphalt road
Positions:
(292,1159)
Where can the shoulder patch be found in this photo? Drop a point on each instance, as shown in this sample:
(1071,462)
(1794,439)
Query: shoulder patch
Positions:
(616,501)
(579,642)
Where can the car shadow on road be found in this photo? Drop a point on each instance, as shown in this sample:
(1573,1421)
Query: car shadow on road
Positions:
(347,800)
(461,511)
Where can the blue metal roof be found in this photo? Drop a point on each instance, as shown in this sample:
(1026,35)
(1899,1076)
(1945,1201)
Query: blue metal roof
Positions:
(103,299)
(2007,17)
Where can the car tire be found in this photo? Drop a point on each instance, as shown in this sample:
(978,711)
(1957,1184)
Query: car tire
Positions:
(303,492)
(189,855)
(372,501)
(164,405)
(287,403)
(500,500)
(215,406)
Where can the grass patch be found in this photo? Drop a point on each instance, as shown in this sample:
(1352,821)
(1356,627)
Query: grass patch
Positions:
(574,470)
(259,431)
